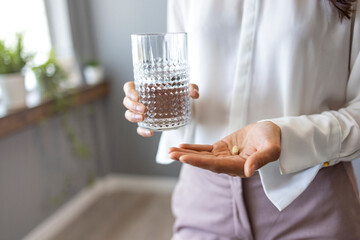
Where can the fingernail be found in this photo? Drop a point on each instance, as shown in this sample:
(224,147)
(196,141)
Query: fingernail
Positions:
(172,157)
(147,132)
(138,117)
(132,96)
(181,159)
(140,108)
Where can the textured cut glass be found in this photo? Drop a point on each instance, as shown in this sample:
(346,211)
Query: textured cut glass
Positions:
(161,75)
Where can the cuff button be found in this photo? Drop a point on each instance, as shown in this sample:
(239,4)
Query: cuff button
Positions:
(326,164)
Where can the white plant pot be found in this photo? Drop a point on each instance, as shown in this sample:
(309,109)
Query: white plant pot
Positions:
(13,90)
(93,75)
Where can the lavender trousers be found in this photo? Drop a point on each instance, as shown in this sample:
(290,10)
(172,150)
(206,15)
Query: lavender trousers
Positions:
(210,206)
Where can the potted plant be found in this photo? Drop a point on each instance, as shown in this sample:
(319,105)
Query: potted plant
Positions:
(12,80)
(93,72)
(50,77)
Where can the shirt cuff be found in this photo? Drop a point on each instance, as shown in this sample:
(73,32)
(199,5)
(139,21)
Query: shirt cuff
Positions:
(307,141)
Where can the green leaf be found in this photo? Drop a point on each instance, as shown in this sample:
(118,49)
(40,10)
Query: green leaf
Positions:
(13,59)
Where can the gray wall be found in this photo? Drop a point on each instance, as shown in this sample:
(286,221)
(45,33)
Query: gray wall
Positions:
(39,172)
(113,21)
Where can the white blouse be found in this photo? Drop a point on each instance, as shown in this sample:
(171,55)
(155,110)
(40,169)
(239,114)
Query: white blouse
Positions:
(288,61)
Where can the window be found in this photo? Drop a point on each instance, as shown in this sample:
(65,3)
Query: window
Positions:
(27,17)
(45,25)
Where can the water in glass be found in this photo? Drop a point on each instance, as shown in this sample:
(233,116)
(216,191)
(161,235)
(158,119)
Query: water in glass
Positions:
(162,81)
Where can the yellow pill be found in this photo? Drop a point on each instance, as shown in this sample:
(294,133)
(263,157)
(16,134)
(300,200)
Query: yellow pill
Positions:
(235,150)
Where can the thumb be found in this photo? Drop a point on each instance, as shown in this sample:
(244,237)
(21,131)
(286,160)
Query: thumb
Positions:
(260,159)
(194,91)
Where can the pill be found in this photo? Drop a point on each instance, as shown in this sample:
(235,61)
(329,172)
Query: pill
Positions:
(235,150)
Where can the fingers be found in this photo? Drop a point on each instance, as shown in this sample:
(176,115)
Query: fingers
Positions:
(136,110)
(134,106)
(129,89)
(232,165)
(144,132)
(202,156)
(197,147)
(134,117)
(194,91)
(261,158)
(176,153)
(182,150)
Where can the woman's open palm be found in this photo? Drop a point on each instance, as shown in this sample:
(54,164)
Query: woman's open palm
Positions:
(258,145)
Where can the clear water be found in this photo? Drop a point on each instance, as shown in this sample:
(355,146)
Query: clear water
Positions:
(166,97)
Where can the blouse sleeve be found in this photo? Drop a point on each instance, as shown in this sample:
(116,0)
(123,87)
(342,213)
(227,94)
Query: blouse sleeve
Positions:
(331,136)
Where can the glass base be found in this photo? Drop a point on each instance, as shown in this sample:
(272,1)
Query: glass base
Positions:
(163,125)
(162,129)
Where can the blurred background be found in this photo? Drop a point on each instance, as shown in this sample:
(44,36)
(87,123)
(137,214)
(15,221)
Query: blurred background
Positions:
(62,127)
(71,166)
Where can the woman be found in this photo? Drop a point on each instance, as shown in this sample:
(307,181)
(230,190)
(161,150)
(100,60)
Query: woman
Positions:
(280,81)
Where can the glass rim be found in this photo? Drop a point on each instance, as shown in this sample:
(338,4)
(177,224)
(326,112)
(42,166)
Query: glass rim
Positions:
(160,34)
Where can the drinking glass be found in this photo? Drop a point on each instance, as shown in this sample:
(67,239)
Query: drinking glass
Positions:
(161,75)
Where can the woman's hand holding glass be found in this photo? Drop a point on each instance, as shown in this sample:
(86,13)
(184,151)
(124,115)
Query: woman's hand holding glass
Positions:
(136,110)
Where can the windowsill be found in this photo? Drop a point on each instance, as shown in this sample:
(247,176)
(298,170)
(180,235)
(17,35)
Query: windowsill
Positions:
(37,109)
